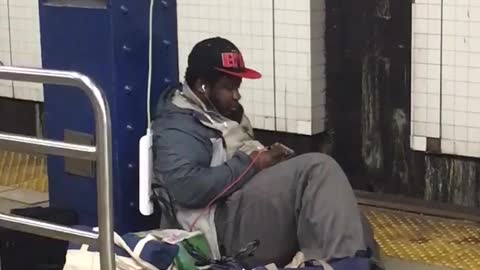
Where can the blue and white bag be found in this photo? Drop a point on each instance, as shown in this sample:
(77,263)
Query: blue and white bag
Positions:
(132,252)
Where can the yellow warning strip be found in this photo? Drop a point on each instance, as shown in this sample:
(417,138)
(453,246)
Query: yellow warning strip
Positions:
(27,171)
(430,240)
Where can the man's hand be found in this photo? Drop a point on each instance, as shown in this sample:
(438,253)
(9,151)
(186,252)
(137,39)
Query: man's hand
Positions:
(267,158)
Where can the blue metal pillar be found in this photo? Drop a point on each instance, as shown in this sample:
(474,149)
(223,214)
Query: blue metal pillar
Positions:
(109,44)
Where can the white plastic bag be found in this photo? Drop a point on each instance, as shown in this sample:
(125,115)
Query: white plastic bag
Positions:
(83,259)
(130,258)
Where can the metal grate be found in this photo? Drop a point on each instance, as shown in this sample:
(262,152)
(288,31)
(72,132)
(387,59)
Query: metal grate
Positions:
(426,239)
(22,170)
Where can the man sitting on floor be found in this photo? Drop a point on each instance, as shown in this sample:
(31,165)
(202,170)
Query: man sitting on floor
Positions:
(207,158)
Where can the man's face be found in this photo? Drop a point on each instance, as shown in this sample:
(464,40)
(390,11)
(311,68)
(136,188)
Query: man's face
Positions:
(225,95)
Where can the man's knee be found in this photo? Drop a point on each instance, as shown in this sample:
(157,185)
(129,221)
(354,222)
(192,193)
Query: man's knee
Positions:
(324,162)
(318,158)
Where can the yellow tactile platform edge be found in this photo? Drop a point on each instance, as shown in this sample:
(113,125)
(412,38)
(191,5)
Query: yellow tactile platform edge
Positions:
(22,170)
(430,240)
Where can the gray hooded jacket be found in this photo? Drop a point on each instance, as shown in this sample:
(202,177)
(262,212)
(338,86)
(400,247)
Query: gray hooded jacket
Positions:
(182,149)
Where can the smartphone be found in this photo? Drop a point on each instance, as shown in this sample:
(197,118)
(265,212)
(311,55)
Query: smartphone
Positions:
(288,151)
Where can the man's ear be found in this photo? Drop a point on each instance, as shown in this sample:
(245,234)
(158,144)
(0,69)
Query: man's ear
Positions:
(197,85)
(201,86)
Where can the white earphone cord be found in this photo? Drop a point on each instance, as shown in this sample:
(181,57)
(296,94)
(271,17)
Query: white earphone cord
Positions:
(150,60)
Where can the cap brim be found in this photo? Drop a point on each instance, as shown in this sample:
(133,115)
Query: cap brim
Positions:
(246,73)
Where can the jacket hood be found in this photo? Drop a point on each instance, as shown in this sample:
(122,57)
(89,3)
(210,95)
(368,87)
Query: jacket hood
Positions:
(165,106)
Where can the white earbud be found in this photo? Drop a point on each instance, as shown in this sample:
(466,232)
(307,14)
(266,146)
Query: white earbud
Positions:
(204,90)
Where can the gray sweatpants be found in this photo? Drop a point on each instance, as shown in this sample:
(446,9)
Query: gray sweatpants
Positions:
(305,203)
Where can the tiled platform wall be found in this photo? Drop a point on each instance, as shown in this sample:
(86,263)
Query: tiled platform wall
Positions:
(446,75)
(20,45)
(284,40)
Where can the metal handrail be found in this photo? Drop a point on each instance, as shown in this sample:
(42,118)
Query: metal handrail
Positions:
(101,153)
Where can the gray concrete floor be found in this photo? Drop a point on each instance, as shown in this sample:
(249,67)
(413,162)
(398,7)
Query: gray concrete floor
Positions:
(11,198)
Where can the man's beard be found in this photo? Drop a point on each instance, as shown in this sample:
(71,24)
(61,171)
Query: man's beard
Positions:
(230,113)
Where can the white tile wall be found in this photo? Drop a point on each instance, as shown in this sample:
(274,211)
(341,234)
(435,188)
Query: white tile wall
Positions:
(249,25)
(6,87)
(446,75)
(460,74)
(284,41)
(20,45)
(426,71)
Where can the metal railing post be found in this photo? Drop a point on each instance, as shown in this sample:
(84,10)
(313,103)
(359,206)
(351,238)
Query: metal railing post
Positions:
(101,153)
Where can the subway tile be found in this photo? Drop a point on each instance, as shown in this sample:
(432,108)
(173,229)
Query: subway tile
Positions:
(433,71)
(473,149)
(291,126)
(462,73)
(460,147)
(460,103)
(270,110)
(304,127)
(448,102)
(304,100)
(420,85)
(433,116)
(420,114)
(281,124)
(420,41)
(433,57)
(304,113)
(433,130)
(462,59)
(419,143)
(435,11)
(474,74)
(269,123)
(460,118)
(434,26)
(460,88)
(475,13)
(474,44)
(448,59)
(473,134)
(259,122)
(420,11)
(473,89)
(447,146)
(291,99)
(474,56)
(448,73)
(419,129)
(448,131)
(448,117)
(34,93)
(433,101)
(460,133)
(420,56)
(473,104)
(6,91)
(259,109)
(420,71)
(291,112)
(419,99)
